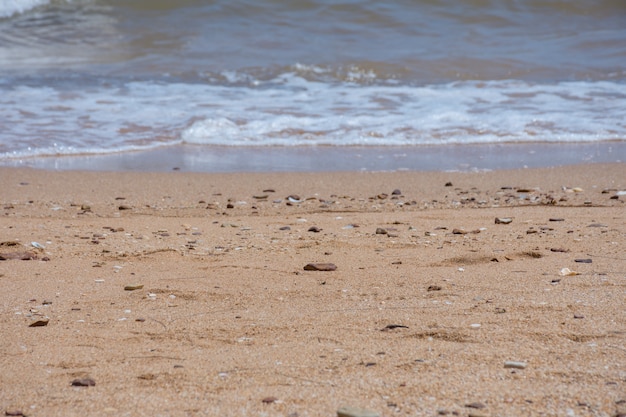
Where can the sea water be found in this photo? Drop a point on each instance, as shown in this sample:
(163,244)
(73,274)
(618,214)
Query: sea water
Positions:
(99,77)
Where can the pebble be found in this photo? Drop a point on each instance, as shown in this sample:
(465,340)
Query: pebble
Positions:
(583,261)
(356,412)
(433,288)
(83,382)
(393,326)
(597,225)
(475,405)
(133,287)
(16,413)
(314,229)
(39,323)
(515,364)
(320,267)
(503,220)
(381,231)
(124,207)
(22,256)
(464,232)
(269,400)
(562,250)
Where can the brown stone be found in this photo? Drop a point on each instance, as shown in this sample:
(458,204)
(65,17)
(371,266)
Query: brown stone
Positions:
(320,267)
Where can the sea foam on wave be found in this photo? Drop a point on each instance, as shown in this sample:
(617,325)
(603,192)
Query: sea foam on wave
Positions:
(10,7)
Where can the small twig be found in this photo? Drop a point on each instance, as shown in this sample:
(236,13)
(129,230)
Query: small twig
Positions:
(156,357)
(375,308)
(617,347)
(305,379)
(161,323)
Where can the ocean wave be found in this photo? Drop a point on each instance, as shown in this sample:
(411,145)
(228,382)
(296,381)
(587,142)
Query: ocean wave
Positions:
(9,8)
(73,117)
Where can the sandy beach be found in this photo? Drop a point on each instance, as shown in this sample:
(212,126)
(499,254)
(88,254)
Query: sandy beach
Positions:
(178,294)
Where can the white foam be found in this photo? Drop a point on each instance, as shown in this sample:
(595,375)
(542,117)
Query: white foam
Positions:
(10,7)
(291,111)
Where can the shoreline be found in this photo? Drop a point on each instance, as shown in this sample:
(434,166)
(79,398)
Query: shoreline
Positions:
(179,293)
(219,159)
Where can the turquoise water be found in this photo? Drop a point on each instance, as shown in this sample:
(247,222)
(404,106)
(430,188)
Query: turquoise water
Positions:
(88,77)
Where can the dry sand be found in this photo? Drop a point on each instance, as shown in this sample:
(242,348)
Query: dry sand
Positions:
(417,319)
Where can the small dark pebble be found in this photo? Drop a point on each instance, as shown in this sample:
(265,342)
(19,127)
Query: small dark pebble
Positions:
(269,400)
(381,231)
(314,229)
(583,261)
(393,326)
(124,207)
(475,405)
(39,323)
(597,225)
(22,256)
(320,267)
(396,192)
(556,219)
(285,228)
(448,184)
(434,288)
(16,413)
(83,382)
(579,316)
(562,250)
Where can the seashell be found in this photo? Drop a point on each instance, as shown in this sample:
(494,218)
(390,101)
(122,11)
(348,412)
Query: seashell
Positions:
(566,272)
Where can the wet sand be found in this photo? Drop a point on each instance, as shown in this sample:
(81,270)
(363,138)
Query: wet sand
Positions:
(233,159)
(186,294)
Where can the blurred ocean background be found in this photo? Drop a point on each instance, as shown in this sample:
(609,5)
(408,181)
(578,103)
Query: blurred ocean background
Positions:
(250,84)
